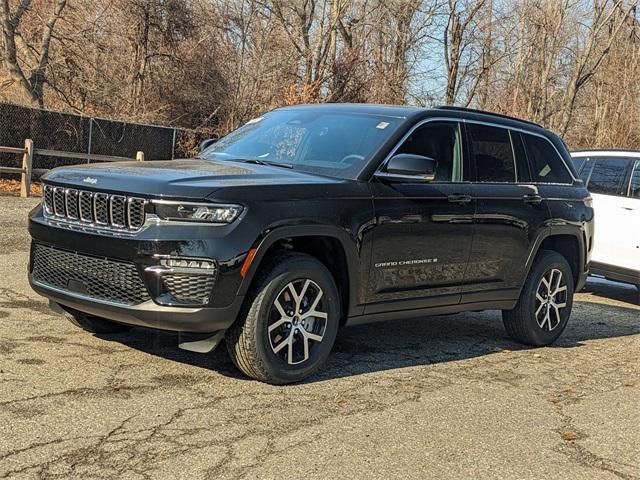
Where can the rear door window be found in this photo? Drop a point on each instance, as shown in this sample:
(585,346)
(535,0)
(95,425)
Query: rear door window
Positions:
(546,164)
(606,175)
(492,152)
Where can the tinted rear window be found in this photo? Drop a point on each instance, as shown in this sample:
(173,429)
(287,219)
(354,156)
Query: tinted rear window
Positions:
(491,148)
(605,175)
(546,164)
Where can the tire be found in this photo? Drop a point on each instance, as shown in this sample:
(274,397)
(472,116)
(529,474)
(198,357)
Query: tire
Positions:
(94,324)
(267,342)
(534,320)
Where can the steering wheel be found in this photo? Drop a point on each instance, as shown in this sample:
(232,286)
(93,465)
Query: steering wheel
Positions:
(351,158)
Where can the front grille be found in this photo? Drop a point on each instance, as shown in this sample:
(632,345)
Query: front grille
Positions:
(99,278)
(189,289)
(103,210)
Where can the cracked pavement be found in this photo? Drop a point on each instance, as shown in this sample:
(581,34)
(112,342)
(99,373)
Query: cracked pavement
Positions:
(439,397)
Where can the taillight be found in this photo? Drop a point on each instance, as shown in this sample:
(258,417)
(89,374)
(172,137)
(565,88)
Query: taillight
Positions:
(588,201)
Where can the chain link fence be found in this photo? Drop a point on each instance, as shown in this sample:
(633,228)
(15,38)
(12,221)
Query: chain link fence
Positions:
(80,134)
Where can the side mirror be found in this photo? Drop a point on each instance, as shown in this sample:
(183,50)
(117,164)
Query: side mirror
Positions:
(207,143)
(407,167)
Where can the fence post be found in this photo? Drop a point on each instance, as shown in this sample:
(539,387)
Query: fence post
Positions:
(27,162)
(140,156)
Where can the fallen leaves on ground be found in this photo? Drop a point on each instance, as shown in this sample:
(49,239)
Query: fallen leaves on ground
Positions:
(12,187)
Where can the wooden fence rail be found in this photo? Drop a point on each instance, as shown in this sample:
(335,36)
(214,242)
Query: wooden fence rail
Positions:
(28,151)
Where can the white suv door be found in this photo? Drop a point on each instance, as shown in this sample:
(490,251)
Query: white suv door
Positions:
(605,179)
(627,244)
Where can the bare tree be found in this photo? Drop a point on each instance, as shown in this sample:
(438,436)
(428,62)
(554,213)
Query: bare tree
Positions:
(457,42)
(30,74)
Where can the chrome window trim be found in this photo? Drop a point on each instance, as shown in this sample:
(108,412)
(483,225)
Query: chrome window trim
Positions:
(635,167)
(384,162)
(513,157)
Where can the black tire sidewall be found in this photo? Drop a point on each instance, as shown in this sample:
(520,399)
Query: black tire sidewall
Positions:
(549,261)
(291,270)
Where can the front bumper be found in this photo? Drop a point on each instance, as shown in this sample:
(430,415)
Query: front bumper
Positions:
(147,314)
(223,245)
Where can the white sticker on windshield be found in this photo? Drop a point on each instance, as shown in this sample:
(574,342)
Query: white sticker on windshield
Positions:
(254,120)
(382,125)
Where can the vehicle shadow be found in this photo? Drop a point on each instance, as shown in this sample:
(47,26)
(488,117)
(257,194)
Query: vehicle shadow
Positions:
(407,343)
(600,288)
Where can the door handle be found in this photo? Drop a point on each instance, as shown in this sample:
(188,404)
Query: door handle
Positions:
(459,199)
(534,199)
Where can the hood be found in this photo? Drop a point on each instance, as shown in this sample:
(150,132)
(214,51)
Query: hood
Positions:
(193,178)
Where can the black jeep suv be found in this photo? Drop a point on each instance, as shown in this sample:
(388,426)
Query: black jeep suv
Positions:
(314,217)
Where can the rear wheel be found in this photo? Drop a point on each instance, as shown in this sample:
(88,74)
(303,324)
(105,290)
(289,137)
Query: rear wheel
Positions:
(289,322)
(544,307)
(95,324)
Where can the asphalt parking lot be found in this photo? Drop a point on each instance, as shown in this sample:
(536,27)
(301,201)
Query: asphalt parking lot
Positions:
(440,397)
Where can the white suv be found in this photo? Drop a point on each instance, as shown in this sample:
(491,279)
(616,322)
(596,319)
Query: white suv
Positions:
(613,178)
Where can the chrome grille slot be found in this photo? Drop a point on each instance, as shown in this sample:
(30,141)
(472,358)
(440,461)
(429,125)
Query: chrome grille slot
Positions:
(117,211)
(100,278)
(59,202)
(101,208)
(88,210)
(47,199)
(71,202)
(86,206)
(135,212)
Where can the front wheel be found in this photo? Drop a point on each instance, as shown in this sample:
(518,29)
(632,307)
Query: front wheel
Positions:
(544,306)
(289,321)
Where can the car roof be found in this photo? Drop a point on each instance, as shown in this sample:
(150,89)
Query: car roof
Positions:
(607,152)
(412,112)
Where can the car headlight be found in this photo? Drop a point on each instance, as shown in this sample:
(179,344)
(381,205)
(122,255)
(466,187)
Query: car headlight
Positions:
(196,212)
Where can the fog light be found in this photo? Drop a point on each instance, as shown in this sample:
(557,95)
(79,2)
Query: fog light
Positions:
(187,263)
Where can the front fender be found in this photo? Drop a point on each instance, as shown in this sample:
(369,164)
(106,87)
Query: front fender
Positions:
(347,241)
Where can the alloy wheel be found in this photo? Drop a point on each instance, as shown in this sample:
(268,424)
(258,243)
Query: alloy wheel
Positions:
(551,299)
(297,321)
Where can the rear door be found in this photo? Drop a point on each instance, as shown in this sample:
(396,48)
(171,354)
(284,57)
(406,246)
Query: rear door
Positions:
(627,244)
(510,213)
(604,177)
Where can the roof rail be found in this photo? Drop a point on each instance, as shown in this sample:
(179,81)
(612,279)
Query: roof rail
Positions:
(484,112)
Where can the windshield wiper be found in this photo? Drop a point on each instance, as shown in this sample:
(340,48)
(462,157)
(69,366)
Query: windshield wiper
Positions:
(263,162)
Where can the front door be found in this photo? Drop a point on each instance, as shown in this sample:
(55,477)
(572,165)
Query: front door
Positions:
(423,231)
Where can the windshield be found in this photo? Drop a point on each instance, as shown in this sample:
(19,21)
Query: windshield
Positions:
(316,141)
